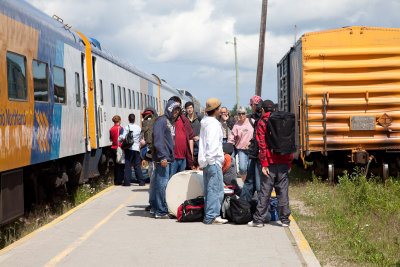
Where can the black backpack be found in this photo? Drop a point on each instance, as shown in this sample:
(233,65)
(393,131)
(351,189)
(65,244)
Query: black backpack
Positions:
(128,141)
(253,147)
(280,132)
(191,210)
(240,211)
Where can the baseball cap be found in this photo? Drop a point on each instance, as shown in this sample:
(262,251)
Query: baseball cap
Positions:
(255,100)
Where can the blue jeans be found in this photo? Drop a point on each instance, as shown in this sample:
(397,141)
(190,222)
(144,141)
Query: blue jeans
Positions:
(252,182)
(152,173)
(161,178)
(132,157)
(213,192)
(243,161)
(179,165)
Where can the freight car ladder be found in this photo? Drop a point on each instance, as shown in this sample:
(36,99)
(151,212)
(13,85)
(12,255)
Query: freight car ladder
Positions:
(324,135)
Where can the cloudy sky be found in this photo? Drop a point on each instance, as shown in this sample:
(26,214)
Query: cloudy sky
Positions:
(184,41)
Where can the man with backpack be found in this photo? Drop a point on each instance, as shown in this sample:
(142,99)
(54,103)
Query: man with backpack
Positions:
(275,173)
(149,116)
(132,154)
(252,182)
(163,155)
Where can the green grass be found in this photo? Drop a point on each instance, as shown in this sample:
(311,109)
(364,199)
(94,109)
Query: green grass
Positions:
(356,222)
(43,214)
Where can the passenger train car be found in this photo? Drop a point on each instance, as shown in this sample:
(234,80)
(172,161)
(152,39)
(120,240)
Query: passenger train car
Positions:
(58,93)
(344,87)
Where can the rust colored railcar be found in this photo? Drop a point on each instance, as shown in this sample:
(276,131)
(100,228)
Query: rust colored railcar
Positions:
(344,87)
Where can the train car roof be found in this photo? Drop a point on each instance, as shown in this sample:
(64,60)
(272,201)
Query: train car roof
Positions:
(25,13)
(29,15)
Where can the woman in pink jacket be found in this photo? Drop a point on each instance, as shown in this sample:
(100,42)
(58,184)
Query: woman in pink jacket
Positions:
(240,136)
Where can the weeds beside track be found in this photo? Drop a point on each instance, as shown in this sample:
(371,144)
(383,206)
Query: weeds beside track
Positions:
(355,222)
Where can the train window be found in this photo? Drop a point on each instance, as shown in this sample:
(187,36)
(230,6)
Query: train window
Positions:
(145,100)
(101,92)
(77,90)
(138,101)
(124,96)
(59,85)
(112,95)
(141,101)
(16,77)
(133,99)
(40,81)
(119,97)
(130,98)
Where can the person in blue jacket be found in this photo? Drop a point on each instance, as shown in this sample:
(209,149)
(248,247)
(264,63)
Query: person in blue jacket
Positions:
(163,155)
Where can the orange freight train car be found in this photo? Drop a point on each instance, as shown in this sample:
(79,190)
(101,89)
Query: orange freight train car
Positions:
(344,87)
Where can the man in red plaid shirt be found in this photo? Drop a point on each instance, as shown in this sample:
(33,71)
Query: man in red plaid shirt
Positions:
(275,173)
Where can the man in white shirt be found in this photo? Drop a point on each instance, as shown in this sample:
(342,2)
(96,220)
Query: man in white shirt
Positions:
(211,158)
(132,154)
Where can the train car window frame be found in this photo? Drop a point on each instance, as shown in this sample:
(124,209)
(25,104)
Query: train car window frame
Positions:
(112,94)
(101,92)
(56,94)
(13,83)
(130,98)
(124,96)
(34,78)
(77,90)
(119,96)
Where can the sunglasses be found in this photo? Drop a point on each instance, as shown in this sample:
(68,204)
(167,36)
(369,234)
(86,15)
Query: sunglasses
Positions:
(241,113)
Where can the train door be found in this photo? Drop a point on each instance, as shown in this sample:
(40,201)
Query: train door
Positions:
(85,104)
(98,104)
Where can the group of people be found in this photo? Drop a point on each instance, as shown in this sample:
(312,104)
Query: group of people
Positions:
(180,140)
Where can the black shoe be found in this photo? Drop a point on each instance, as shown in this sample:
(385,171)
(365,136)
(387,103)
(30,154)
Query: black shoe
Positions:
(142,184)
(148,208)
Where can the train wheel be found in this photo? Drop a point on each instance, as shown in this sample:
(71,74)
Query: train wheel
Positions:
(385,172)
(331,173)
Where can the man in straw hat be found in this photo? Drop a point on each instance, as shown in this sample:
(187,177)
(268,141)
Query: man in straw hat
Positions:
(211,158)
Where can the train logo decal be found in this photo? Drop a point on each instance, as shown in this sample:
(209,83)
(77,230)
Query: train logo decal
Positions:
(42,132)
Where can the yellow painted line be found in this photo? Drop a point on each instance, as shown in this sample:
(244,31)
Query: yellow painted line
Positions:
(302,244)
(80,240)
(58,219)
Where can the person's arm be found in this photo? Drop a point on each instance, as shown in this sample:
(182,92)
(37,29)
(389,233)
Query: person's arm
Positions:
(160,126)
(122,133)
(262,144)
(232,136)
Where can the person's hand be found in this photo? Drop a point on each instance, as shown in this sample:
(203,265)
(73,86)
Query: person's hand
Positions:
(265,171)
(289,170)
(196,138)
(193,168)
(164,163)
(247,146)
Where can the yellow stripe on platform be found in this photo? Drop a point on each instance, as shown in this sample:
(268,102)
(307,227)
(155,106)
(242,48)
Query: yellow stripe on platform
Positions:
(58,219)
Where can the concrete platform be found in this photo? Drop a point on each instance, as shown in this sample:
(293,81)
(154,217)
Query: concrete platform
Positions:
(114,230)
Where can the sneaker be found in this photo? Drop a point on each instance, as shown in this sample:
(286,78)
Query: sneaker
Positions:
(166,216)
(148,208)
(285,225)
(219,220)
(254,224)
(152,212)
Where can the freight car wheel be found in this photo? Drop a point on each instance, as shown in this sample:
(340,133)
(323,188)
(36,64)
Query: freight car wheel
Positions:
(331,172)
(385,172)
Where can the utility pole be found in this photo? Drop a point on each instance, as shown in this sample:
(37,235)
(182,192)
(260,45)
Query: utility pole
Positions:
(237,74)
(261,47)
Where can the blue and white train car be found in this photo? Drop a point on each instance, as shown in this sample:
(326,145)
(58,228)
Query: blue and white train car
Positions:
(58,93)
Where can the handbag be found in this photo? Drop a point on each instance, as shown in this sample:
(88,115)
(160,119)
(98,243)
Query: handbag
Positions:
(119,152)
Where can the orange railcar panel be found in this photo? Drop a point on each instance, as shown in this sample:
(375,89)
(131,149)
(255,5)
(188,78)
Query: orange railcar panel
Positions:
(351,74)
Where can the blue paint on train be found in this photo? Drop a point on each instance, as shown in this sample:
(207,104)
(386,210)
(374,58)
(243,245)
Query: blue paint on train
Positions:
(56,132)
(60,54)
